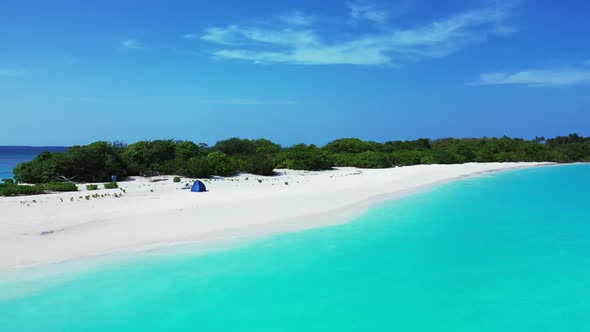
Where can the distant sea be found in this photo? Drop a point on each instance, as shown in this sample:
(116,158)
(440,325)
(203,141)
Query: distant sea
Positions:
(10,156)
(506,252)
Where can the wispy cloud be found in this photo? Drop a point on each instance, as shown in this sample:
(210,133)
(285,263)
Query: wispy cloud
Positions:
(537,78)
(306,45)
(190,36)
(297,19)
(132,44)
(14,72)
(367,11)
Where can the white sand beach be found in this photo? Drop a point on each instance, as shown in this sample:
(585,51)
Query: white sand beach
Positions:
(58,227)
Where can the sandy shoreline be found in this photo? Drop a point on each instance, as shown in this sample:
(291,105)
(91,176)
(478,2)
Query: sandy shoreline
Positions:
(53,228)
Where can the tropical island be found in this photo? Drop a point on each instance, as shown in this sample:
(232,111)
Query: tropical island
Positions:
(254,187)
(100,161)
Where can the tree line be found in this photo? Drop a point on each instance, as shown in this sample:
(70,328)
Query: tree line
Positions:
(98,161)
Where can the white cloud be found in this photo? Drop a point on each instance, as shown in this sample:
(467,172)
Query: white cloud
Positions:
(297,19)
(190,36)
(366,11)
(14,72)
(307,46)
(537,78)
(132,44)
(235,35)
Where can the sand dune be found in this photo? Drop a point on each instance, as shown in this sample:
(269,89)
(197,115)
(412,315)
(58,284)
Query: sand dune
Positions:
(58,227)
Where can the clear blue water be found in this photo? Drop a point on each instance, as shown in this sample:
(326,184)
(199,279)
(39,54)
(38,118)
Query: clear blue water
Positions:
(10,156)
(504,252)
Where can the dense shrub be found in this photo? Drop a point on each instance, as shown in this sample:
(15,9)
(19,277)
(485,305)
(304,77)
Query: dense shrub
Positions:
(91,187)
(260,165)
(419,144)
(111,185)
(186,150)
(253,156)
(367,159)
(407,157)
(236,146)
(59,186)
(15,190)
(89,163)
(196,168)
(44,168)
(176,179)
(266,147)
(98,161)
(92,163)
(371,159)
(303,157)
(351,145)
(220,164)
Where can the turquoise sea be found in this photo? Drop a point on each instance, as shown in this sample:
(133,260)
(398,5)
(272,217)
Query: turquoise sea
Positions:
(10,156)
(502,252)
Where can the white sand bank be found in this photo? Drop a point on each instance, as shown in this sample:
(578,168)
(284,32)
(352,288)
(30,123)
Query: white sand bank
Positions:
(57,227)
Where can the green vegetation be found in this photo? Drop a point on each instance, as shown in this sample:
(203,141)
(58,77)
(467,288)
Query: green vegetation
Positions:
(59,186)
(221,164)
(176,179)
(9,188)
(98,161)
(91,187)
(111,185)
(15,190)
(304,157)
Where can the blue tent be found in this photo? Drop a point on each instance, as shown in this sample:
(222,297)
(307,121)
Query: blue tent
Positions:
(198,186)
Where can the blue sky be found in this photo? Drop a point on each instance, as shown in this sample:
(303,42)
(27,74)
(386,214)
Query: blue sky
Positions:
(72,72)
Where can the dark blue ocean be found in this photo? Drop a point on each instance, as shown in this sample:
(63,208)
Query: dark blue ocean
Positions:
(10,156)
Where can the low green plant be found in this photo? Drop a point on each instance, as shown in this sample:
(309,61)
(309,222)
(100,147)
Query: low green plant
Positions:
(176,179)
(91,187)
(259,180)
(111,185)
(16,190)
(59,186)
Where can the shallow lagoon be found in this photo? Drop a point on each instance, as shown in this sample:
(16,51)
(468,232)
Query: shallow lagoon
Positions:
(503,252)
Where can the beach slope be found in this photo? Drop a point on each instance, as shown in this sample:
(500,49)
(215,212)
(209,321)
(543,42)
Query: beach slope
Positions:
(57,227)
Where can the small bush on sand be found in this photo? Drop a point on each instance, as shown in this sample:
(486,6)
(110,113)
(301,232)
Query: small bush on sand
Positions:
(91,187)
(176,179)
(111,185)
(60,186)
(14,190)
